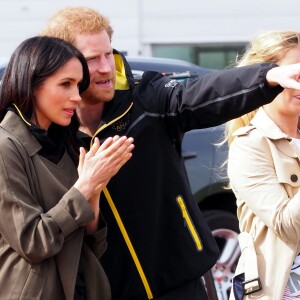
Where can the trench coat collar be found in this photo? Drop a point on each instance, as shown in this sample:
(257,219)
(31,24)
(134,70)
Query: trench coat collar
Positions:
(14,125)
(268,128)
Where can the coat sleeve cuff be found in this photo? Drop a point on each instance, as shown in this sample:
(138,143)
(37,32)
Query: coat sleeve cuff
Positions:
(72,211)
(269,92)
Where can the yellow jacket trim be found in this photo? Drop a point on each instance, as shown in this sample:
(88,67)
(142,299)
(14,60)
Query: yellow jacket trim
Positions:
(128,243)
(121,82)
(189,223)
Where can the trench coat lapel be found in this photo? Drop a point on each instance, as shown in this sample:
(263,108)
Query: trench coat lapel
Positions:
(284,150)
(268,128)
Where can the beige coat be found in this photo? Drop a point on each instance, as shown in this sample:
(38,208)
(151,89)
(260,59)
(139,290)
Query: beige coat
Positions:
(41,223)
(264,171)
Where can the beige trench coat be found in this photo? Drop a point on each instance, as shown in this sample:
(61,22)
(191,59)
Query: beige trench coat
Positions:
(264,172)
(41,223)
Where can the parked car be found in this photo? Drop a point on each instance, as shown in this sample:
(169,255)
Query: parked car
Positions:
(164,65)
(203,161)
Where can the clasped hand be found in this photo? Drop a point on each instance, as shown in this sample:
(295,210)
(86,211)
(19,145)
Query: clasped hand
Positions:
(101,162)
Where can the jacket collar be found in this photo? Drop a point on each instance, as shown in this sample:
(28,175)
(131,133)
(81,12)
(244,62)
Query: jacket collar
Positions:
(15,126)
(124,77)
(123,87)
(268,128)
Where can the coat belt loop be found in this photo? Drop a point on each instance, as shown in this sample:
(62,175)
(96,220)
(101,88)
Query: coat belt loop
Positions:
(252,281)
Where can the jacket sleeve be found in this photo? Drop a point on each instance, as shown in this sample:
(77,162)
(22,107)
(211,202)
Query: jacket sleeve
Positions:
(31,232)
(259,192)
(210,100)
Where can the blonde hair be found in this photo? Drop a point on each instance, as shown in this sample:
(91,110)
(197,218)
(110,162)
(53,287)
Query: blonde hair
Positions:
(269,46)
(73,20)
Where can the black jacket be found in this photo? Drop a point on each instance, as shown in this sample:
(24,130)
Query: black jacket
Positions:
(151,192)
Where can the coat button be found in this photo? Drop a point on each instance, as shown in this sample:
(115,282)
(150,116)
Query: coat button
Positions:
(294,178)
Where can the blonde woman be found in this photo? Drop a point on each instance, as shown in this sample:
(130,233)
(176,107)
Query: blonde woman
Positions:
(264,173)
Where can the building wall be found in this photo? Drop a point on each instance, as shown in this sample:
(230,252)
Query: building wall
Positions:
(140,23)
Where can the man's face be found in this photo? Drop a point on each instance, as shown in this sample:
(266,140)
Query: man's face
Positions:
(98,52)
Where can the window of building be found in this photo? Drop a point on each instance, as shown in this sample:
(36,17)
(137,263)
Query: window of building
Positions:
(217,56)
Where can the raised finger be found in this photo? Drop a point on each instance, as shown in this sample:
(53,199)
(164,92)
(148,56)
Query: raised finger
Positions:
(94,147)
(116,156)
(105,144)
(82,153)
(113,147)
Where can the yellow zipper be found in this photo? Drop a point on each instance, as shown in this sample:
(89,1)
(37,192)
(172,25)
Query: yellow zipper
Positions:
(189,223)
(129,244)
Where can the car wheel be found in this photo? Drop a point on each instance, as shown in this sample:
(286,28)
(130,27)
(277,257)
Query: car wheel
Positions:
(225,229)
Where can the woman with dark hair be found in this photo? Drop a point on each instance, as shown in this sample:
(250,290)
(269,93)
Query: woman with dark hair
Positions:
(51,230)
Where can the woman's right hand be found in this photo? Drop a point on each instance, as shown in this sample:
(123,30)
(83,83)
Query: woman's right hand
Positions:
(101,162)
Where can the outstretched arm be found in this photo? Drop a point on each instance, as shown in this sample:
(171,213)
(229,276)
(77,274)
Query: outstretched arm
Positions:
(215,98)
